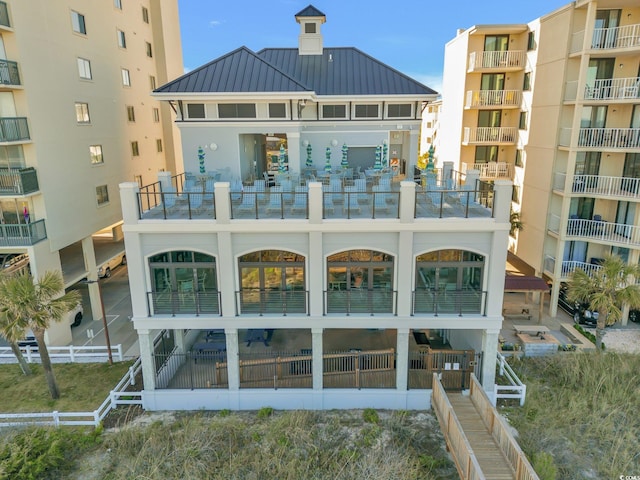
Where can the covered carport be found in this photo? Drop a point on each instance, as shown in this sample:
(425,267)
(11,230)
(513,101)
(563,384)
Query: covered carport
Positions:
(527,285)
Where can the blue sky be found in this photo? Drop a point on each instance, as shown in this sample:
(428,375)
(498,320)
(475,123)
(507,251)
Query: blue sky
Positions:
(409,35)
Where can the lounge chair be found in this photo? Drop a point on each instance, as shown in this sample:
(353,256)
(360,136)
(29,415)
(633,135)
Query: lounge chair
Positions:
(169,197)
(380,199)
(300,200)
(275,200)
(248,203)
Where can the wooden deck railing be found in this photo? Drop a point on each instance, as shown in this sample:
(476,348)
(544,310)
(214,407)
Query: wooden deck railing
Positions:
(461,451)
(499,431)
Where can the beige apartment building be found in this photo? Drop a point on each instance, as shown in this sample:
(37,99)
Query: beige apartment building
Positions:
(554,105)
(76,119)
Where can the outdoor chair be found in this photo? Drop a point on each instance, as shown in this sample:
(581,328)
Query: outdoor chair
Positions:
(335,187)
(300,200)
(260,187)
(327,202)
(275,200)
(169,197)
(248,203)
(380,200)
(236,190)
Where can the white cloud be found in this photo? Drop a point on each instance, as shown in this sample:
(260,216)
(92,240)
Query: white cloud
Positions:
(215,23)
(431,81)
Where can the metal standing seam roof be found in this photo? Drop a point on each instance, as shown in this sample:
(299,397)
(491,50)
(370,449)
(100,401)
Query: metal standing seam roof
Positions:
(338,71)
(310,11)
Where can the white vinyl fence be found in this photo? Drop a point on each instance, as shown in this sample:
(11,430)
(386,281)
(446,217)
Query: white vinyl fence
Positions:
(516,389)
(65,354)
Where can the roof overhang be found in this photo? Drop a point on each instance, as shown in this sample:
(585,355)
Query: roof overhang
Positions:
(497,29)
(523,283)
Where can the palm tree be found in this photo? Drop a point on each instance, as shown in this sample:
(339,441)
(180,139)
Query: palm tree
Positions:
(26,304)
(516,223)
(12,333)
(613,285)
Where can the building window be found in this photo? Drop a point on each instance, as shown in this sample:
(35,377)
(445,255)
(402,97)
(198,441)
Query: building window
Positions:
(152,82)
(522,124)
(145,15)
(277,110)
(102,194)
(334,111)
(486,153)
(518,160)
(400,110)
(309,28)
(149,50)
(82,113)
(95,152)
(138,180)
(156,114)
(126,79)
(526,84)
(117,4)
(449,281)
(84,68)
(237,110)
(122,41)
(159,145)
(515,194)
(131,113)
(195,110)
(77,23)
(531,41)
(366,111)
(135,152)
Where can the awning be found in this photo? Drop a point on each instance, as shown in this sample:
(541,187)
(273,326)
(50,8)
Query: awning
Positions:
(517,283)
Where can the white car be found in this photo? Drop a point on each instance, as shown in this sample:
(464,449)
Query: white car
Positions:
(104,270)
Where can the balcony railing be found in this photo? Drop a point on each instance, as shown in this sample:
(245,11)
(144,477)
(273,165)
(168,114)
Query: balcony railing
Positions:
(445,302)
(9,74)
(433,202)
(254,301)
(491,170)
(357,301)
(23,234)
(184,303)
(613,89)
(13,129)
(617,233)
(493,98)
(506,60)
(601,186)
(489,135)
(18,181)
(570,266)
(616,37)
(609,138)
(4,15)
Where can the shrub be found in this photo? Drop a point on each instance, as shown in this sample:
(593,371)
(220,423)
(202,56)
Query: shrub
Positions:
(369,415)
(545,466)
(265,412)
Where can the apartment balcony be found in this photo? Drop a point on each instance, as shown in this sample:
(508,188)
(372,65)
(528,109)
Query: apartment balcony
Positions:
(568,267)
(184,303)
(616,89)
(361,301)
(493,98)
(489,136)
(448,302)
(14,129)
(491,170)
(16,182)
(505,61)
(603,138)
(23,234)
(616,38)
(9,74)
(4,16)
(600,231)
(255,301)
(614,188)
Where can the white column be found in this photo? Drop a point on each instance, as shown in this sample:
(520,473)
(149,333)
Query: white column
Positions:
(89,256)
(407,201)
(499,243)
(227,274)
(165,180)
(315,202)
(404,284)
(489,349)
(316,274)
(316,361)
(179,339)
(233,358)
(147,360)
(293,151)
(402,358)
(222,202)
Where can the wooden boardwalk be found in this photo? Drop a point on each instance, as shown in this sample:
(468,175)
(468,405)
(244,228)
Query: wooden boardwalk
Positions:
(492,461)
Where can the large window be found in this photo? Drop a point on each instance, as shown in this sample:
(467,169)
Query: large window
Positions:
(195,110)
(367,111)
(77,23)
(272,281)
(82,112)
(183,281)
(449,282)
(237,110)
(360,281)
(486,153)
(399,110)
(277,110)
(84,68)
(334,111)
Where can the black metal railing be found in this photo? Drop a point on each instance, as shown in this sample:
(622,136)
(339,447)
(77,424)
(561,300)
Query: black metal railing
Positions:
(9,74)
(13,129)
(18,181)
(191,370)
(154,203)
(22,234)
(458,302)
(356,301)
(255,301)
(184,303)
(436,203)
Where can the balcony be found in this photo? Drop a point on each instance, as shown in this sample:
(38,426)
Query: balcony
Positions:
(506,61)
(448,302)
(598,230)
(609,138)
(615,38)
(4,15)
(254,301)
(9,74)
(601,186)
(613,89)
(184,303)
(18,181)
(361,301)
(23,234)
(14,129)
(491,170)
(493,98)
(489,136)
(568,267)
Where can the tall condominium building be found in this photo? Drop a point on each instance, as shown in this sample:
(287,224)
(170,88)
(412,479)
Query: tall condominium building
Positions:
(77,118)
(554,105)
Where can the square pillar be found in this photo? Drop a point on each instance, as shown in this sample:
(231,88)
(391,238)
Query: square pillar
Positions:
(316,361)
(489,349)
(233,358)
(402,359)
(146,359)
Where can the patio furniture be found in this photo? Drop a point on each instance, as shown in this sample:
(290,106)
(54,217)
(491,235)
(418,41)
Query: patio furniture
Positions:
(300,200)
(236,190)
(169,197)
(258,335)
(336,188)
(275,200)
(380,200)
(248,203)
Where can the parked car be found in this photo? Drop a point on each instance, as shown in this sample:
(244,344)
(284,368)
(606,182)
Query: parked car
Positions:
(104,270)
(634,316)
(579,311)
(74,316)
(13,262)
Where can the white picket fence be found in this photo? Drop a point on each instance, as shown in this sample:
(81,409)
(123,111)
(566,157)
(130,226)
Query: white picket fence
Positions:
(117,396)
(65,354)
(516,389)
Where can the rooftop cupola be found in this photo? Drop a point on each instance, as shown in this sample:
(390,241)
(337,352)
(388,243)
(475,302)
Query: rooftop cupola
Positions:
(310,38)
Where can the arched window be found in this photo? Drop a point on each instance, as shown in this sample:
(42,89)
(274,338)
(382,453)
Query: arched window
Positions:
(272,281)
